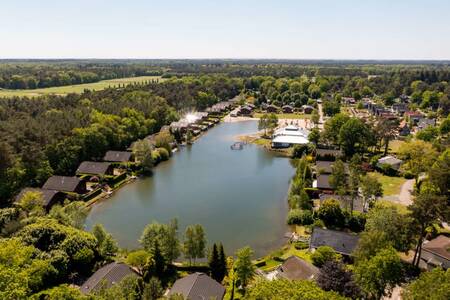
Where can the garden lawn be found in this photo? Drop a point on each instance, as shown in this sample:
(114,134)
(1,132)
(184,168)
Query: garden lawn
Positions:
(391,185)
(395,145)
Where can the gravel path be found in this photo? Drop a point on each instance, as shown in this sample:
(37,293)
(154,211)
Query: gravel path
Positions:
(404,197)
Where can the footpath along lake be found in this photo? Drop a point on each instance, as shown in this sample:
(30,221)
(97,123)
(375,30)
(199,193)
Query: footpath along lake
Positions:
(239,196)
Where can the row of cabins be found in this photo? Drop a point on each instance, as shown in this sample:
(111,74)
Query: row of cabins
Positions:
(58,188)
(401,110)
(286,109)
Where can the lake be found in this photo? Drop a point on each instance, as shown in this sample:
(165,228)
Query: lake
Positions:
(239,196)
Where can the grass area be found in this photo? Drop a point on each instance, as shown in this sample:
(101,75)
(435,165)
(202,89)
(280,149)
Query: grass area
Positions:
(277,257)
(395,145)
(286,116)
(78,88)
(391,185)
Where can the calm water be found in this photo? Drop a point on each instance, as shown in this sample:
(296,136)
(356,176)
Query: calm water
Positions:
(238,196)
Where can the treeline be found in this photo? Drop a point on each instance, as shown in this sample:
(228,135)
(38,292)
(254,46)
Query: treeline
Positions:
(43,75)
(53,134)
(426,92)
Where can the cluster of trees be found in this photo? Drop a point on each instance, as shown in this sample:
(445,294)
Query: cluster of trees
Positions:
(39,251)
(32,75)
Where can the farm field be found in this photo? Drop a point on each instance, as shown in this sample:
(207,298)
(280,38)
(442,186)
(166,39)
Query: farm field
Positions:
(78,88)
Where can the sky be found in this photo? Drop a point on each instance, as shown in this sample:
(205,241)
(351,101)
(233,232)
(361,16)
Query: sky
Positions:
(284,29)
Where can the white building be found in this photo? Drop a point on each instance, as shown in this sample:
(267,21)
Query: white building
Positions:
(289,136)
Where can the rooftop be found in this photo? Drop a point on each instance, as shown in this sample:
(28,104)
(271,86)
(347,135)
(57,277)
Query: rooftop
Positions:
(62,183)
(295,268)
(198,286)
(342,242)
(92,167)
(110,274)
(439,246)
(117,156)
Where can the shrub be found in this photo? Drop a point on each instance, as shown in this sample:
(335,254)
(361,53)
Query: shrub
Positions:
(301,245)
(163,153)
(356,221)
(408,175)
(156,157)
(300,217)
(324,254)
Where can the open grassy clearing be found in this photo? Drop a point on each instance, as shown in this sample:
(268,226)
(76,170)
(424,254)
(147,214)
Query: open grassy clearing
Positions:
(395,145)
(391,185)
(78,88)
(286,116)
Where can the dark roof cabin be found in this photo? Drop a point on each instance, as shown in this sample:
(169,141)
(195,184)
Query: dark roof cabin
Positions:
(322,182)
(271,108)
(50,197)
(436,253)
(345,201)
(295,268)
(95,168)
(65,184)
(287,109)
(328,154)
(324,167)
(107,276)
(118,156)
(342,242)
(198,286)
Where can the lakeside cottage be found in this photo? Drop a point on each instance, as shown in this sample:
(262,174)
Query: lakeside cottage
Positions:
(272,108)
(436,253)
(118,156)
(50,197)
(287,109)
(95,168)
(295,268)
(342,242)
(322,182)
(307,109)
(107,276)
(328,154)
(289,136)
(392,161)
(198,286)
(68,184)
(345,201)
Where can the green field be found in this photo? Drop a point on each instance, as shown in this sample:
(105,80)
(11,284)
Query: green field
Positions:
(78,88)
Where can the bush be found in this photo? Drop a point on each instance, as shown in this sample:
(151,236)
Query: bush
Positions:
(301,245)
(408,175)
(300,150)
(356,221)
(387,170)
(156,157)
(324,254)
(300,217)
(163,153)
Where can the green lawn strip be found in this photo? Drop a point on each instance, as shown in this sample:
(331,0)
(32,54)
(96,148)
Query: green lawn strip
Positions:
(78,88)
(285,116)
(391,185)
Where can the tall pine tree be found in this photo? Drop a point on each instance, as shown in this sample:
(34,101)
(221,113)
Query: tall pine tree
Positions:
(214,263)
(222,263)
